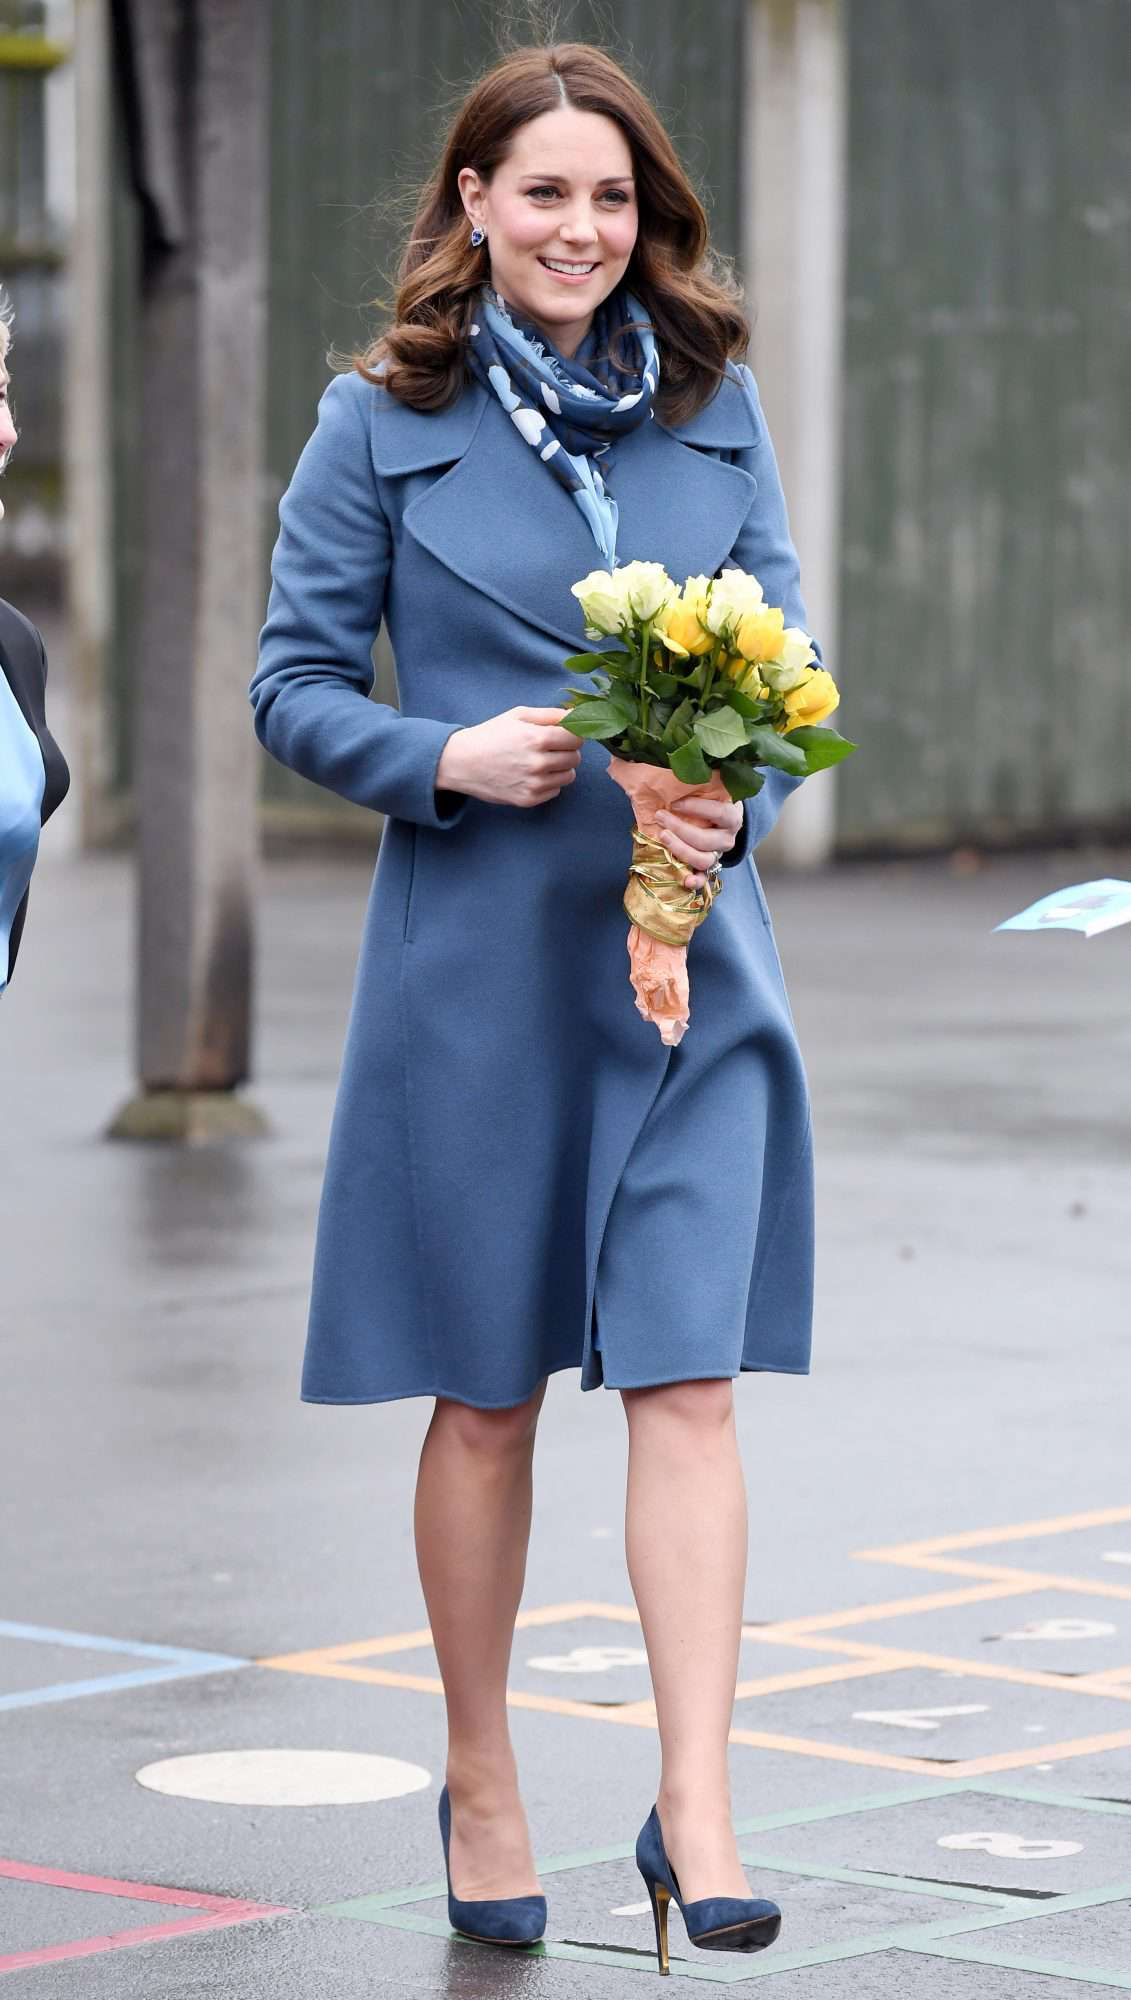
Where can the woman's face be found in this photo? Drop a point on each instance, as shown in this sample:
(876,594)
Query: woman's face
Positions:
(564,192)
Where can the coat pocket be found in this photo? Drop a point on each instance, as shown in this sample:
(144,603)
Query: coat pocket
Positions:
(390,906)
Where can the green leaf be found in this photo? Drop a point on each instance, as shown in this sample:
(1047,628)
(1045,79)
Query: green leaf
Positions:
(741,780)
(664,684)
(822,747)
(689,764)
(677,729)
(720,731)
(625,700)
(581,663)
(775,750)
(622,666)
(742,705)
(595,717)
(642,739)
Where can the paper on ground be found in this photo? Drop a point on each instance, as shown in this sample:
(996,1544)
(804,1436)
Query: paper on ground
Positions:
(1088,906)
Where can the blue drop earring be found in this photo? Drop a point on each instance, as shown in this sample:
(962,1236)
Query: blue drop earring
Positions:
(477,236)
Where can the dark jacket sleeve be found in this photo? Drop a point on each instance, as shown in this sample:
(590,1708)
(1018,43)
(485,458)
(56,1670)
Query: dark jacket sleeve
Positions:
(23,662)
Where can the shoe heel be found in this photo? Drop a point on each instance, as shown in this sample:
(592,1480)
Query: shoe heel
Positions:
(661,1899)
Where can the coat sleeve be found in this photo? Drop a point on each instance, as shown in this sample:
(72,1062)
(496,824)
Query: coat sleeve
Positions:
(328,576)
(765,549)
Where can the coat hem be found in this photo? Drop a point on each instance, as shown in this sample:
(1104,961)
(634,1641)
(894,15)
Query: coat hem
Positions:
(513,1402)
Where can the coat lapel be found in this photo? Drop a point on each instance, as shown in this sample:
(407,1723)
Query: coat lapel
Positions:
(499,520)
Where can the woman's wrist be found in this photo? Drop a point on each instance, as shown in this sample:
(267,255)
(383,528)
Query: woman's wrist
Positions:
(451,773)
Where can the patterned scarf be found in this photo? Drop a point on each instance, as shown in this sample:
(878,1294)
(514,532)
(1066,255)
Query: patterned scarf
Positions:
(569,409)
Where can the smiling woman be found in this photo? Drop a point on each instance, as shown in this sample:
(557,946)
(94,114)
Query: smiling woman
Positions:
(559,162)
(522,1177)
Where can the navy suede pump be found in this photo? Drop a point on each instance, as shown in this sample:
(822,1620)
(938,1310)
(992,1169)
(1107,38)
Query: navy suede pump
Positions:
(500,1920)
(718,1923)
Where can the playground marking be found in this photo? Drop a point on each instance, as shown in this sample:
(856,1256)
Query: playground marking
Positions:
(213,1913)
(941,1936)
(857,1661)
(284,1777)
(172,1663)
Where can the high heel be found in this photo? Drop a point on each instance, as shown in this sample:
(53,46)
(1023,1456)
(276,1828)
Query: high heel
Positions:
(716,1923)
(500,1920)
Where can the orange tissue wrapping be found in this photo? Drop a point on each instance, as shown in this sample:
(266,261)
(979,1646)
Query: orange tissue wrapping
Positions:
(663,912)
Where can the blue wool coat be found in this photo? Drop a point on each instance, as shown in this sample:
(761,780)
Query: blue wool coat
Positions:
(515,1158)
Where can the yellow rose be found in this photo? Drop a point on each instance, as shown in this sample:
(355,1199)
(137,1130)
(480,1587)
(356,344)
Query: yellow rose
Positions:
(678,623)
(758,634)
(810,703)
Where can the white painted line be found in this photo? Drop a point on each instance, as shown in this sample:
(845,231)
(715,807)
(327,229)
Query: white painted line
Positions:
(284,1777)
(917,1718)
(1064,1628)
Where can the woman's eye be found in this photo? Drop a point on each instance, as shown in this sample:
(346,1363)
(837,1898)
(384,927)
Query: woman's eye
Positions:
(616,195)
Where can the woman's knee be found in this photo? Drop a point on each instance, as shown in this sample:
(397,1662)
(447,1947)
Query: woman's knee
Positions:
(697,1409)
(492,1433)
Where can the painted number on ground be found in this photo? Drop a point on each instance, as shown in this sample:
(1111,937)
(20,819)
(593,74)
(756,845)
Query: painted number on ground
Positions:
(1063,1628)
(918,1718)
(1012,1846)
(590,1660)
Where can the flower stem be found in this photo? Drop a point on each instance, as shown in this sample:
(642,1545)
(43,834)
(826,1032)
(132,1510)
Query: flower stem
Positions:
(644,673)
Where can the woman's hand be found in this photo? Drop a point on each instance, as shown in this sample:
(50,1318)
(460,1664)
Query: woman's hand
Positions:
(519,758)
(698,830)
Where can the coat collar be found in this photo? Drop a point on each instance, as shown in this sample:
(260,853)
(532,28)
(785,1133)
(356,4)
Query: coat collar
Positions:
(678,504)
(407,440)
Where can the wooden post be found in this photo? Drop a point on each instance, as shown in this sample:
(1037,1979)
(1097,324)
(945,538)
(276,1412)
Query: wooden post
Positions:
(794,223)
(196,97)
(87,432)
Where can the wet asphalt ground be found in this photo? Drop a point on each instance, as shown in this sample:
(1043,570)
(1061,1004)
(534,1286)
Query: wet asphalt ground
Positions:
(932,1754)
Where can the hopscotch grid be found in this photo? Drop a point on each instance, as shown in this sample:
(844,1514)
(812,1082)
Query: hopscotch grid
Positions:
(943,1937)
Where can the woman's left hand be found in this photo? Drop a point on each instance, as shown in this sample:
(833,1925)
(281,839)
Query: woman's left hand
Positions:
(698,831)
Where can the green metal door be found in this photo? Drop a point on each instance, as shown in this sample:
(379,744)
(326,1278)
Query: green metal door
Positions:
(986,580)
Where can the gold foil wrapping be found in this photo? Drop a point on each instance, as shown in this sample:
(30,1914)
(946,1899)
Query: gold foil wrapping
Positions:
(655,897)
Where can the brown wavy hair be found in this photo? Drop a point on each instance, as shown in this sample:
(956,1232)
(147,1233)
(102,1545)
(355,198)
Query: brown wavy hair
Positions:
(689,290)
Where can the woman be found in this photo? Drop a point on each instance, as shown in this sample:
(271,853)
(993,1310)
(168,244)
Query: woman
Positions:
(33,773)
(521,1176)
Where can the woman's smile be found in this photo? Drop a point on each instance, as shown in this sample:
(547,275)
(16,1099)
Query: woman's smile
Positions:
(569,271)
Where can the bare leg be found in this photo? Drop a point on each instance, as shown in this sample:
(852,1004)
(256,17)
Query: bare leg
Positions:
(686,1540)
(473,1503)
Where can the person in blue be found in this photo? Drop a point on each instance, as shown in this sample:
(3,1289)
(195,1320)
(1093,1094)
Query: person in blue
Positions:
(521,1177)
(33,772)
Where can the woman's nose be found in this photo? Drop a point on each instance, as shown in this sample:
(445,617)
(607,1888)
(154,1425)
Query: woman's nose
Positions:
(579,230)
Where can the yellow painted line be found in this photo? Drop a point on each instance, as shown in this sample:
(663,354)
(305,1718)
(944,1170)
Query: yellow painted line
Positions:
(1049,1753)
(839,1753)
(807,1677)
(900,1607)
(885,1659)
(1110,1677)
(407,1642)
(980,1538)
(1036,1579)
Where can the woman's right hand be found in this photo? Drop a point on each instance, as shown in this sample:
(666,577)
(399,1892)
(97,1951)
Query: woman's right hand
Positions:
(519,758)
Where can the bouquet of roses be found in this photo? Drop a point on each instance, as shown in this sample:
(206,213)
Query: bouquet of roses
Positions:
(704,687)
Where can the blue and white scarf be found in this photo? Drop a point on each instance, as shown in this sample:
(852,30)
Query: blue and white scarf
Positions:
(569,409)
